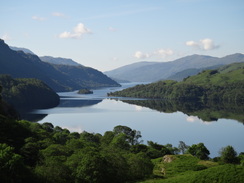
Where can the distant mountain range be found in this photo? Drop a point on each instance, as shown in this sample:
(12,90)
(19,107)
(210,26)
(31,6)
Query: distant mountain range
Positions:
(25,50)
(59,77)
(59,61)
(177,69)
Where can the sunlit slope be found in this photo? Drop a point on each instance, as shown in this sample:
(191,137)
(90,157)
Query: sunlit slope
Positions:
(223,85)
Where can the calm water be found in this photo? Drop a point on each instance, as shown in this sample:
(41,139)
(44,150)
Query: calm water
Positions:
(97,113)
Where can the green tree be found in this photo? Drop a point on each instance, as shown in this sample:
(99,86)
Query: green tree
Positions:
(140,166)
(199,150)
(228,155)
(11,165)
(132,135)
(88,166)
(182,147)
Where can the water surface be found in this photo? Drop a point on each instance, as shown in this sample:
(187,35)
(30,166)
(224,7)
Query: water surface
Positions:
(96,113)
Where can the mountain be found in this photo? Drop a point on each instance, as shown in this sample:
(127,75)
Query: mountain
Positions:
(154,71)
(25,50)
(59,61)
(58,77)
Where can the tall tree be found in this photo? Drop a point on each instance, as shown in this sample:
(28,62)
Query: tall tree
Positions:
(228,155)
(199,150)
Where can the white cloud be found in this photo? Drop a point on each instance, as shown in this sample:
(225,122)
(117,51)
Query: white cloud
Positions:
(164,53)
(138,108)
(161,53)
(192,119)
(57,14)
(38,18)
(77,32)
(6,37)
(203,44)
(192,43)
(141,55)
(208,44)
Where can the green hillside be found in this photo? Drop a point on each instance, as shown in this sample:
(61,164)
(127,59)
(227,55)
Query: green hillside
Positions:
(223,85)
(189,169)
(26,94)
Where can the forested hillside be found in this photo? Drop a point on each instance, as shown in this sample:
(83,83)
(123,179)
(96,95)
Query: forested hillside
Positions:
(21,65)
(223,85)
(24,94)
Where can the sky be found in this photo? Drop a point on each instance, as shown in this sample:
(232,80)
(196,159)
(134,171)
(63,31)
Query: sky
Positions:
(107,34)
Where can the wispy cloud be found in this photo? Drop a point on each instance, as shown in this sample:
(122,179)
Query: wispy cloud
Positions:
(78,31)
(38,18)
(203,44)
(57,14)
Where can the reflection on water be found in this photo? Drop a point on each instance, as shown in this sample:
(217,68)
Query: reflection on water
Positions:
(159,121)
(206,112)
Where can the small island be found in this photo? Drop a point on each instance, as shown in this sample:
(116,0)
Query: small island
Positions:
(85,91)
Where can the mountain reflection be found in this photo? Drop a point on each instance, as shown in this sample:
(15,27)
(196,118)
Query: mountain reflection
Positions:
(77,103)
(64,103)
(206,112)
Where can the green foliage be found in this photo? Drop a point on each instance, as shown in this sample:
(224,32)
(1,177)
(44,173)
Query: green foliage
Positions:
(44,153)
(12,168)
(131,136)
(189,169)
(27,93)
(199,150)
(228,155)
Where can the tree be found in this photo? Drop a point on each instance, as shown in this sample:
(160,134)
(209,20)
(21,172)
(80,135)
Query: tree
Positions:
(228,155)
(11,165)
(199,150)
(140,166)
(132,135)
(88,166)
(182,147)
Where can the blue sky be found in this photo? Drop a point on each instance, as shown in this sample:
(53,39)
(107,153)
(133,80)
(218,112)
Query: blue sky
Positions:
(106,34)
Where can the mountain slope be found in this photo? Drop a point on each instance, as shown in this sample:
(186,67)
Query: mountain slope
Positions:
(59,61)
(179,76)
(25,50)
(162,70)
(21,65)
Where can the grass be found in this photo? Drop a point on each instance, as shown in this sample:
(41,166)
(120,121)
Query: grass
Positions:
(189,169)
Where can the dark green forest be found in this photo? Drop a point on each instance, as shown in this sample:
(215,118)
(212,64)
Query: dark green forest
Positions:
(222,85)
(26,94)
